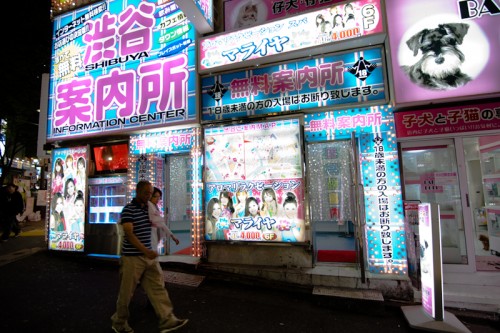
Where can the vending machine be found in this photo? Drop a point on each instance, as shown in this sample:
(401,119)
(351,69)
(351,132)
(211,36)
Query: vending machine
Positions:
(107,197)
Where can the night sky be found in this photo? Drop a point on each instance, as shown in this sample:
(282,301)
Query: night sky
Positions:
(28,32)
(28,46)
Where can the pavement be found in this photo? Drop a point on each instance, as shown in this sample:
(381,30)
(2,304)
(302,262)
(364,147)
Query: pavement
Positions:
(48,291)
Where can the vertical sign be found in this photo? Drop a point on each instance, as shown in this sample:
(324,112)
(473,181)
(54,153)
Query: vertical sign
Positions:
(430,260)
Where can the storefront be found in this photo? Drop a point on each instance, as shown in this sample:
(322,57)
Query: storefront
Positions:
(298,145)
(303,149)
(122,107)
(455,165)
(171,159)
(448,132)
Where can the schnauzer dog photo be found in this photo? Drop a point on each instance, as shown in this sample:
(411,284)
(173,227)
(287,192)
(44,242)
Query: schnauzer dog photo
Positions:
(439,66)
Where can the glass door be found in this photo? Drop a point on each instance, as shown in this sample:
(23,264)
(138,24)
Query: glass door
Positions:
(430,174)
(178,203)
(482,156)
(330,174)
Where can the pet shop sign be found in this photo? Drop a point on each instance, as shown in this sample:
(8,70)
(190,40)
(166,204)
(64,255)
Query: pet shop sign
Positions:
(138,73)
(340,79)
(449,120)
(446,55)
(290,34)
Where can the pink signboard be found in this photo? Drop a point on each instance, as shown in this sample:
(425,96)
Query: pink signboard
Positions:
(443,49)
(426,258)
(448,120)
(239,14)
(294,33)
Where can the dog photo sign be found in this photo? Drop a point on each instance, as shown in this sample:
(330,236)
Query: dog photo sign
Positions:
(447,55)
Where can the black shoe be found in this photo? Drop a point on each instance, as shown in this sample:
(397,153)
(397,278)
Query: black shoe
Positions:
(174,325)
(122,330)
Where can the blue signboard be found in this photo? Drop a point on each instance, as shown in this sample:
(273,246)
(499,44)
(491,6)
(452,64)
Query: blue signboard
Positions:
(340,79)
(379,166)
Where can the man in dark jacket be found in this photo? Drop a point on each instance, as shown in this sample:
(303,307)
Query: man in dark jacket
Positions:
(11,204)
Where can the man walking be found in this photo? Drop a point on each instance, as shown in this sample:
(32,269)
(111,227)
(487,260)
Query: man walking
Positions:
(138,264)
(11,204)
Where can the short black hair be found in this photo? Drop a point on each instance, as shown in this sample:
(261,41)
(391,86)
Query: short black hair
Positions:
(157,190)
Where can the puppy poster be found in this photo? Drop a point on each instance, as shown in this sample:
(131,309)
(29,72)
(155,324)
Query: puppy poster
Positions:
(443,49)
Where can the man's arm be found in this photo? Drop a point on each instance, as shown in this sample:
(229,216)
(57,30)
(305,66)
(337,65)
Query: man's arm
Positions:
(128,229)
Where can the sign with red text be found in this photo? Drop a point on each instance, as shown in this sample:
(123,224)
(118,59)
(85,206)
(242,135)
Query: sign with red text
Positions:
(448,120)
(348,78)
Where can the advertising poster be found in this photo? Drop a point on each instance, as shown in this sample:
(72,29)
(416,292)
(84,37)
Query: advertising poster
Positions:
(316,28)
(68,191)
(431,270)
(443,49)
(427,258)
(254,182)
(120,65)
(340,79)
(240,14)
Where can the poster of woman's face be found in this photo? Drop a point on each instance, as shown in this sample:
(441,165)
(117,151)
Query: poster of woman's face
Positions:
(68,193)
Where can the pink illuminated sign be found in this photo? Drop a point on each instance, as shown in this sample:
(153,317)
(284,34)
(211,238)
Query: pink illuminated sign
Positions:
(470,118)
(294,33)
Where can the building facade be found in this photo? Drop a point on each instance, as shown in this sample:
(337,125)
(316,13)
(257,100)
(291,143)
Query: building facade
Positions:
(293,142)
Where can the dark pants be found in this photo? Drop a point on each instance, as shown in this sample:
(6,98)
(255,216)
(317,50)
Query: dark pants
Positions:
(10,223)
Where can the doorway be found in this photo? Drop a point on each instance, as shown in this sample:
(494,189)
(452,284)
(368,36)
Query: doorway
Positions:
(431,175)
(177,203)
(330,173)
(462,175)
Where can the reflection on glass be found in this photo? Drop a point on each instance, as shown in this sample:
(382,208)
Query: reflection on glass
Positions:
(431,176)
(483,177)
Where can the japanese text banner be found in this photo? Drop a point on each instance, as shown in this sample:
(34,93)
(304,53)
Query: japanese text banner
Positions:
(354,77)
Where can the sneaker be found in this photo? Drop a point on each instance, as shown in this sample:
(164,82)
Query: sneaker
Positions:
(17,235)
(4,240)
(177,323)
(123,329)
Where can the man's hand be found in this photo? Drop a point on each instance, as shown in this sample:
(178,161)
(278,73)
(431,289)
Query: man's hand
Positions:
(175,239)
(150,254)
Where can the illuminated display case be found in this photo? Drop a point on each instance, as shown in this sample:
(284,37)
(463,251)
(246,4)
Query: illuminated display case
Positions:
(107,197)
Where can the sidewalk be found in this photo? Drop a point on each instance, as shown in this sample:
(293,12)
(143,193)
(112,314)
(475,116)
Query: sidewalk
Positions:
(51,292)
(31,240)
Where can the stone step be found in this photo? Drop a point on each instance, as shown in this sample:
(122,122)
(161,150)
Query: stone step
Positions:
(363,294)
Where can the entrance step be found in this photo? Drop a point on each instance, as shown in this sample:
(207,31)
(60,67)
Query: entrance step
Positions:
(184,279)
(362,294)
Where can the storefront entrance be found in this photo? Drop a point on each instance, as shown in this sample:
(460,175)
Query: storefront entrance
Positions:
(330,170)
(461,175)
(177,201)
